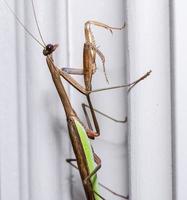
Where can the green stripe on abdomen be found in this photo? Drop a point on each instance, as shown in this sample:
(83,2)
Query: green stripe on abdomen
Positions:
(89,156)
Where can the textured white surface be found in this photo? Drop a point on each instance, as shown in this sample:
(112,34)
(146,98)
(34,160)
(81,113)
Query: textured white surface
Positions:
(180,95)
(33,135)
(150,102)
(34,139)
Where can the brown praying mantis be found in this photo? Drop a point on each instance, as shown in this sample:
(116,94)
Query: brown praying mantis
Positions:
(79,134)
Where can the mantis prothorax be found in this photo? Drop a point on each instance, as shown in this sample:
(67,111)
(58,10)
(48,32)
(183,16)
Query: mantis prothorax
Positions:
(85,156)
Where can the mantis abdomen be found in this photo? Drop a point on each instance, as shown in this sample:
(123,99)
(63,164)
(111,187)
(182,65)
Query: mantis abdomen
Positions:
(84,156)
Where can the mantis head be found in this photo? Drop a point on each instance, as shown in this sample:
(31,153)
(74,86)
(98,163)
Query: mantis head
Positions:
(49,49)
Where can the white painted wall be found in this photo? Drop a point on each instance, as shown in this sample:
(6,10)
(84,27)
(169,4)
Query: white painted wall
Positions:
(180,96)
(34,139)
(33,134)
(150,102)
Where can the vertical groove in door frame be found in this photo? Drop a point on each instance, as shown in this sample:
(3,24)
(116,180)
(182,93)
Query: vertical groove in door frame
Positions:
(10,165)
(150,122)
(23,129)
(173,120)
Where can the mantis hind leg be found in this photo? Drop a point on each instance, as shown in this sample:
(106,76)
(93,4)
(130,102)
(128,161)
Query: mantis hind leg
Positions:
(99,195)
(70,160)
(98,161)
(84,106)
(114,193)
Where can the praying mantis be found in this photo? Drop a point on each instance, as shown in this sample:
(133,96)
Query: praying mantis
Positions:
(88,163)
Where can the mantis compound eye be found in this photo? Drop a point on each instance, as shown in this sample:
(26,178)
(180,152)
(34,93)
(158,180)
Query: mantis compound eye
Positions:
(49,49)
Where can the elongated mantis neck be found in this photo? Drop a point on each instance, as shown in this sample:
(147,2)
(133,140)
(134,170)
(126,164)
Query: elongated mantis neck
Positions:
(60,88)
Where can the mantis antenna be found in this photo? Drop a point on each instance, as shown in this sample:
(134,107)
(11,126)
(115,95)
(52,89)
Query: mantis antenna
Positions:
(37,24)
(22,25)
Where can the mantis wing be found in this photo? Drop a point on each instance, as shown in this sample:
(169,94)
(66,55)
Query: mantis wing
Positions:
(89,157)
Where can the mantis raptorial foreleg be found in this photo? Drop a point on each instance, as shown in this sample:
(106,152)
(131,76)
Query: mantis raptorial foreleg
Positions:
(73,82)
(90,51)
(76,131)
(100,24)
(89,67)
(73,71)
